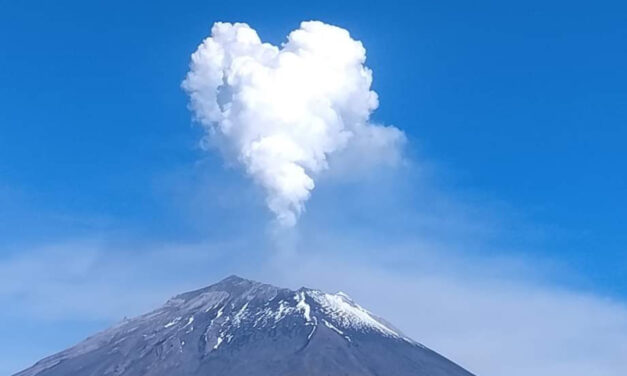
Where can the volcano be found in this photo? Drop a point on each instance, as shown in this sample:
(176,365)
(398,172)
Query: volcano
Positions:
(239,327)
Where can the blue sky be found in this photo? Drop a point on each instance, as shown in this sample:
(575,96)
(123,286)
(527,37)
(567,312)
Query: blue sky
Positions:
(515,117)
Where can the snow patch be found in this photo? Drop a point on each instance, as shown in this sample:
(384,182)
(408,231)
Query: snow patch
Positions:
(335,329)
(332,327)
(347,314)
(220,311)
(218,343)
(240,315)
(303,306)
(189,322)
(315,326)
(172,323)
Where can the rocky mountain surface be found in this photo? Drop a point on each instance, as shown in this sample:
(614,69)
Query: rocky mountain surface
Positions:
(239,327)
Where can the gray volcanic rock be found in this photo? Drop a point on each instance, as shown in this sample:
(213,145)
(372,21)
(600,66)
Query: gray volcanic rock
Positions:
(239,327)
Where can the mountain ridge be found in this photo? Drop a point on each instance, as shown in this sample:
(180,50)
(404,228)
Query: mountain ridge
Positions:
(240,327)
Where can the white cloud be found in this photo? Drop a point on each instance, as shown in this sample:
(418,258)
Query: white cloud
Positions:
(484,315)
(93,280)
(488,322)
(283,112)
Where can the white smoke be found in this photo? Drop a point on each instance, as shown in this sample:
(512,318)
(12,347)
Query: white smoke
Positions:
(281,112)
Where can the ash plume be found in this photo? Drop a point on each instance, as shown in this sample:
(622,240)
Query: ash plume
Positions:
(282,112)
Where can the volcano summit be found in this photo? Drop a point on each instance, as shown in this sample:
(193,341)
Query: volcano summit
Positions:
(239,327)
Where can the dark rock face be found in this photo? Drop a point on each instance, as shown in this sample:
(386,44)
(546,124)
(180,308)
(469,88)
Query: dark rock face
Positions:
(239,327)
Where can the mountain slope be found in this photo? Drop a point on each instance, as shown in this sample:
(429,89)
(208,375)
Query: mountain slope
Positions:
(239,327)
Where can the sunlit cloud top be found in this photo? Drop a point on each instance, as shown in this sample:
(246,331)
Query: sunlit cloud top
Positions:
(282,112)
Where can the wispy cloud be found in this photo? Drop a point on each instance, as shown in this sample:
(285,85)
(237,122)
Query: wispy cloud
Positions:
(485,314)
(96,280)
(489,322)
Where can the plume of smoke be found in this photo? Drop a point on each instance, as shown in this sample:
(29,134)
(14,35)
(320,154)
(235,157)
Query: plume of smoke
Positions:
(282,112)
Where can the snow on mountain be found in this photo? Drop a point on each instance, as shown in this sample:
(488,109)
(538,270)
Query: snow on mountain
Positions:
(240,327)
